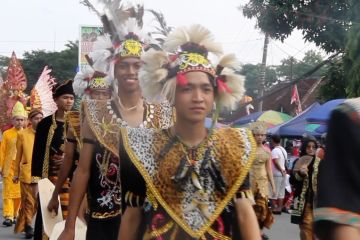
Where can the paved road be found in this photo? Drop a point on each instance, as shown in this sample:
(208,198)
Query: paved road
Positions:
(282,229)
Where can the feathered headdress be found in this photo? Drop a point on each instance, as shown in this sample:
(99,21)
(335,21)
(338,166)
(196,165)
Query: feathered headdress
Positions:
(41,96)
(189,48)
(87,80)
(124,35)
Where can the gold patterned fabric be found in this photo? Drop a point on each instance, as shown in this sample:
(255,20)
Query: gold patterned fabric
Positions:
(106,124)
(191,212)
(258,175)
(260,187)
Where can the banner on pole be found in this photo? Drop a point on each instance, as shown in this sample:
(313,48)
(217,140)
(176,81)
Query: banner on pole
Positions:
(88,35)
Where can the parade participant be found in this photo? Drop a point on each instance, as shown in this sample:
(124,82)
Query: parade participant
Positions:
(279,157)
(337,213)
(22,173)
(304,180)
(187,182)
(97,87)
(49,148)
(11,190)
(261,177)
(99,164)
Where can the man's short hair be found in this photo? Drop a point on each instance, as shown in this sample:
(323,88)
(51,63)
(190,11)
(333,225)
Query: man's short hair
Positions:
(275,138)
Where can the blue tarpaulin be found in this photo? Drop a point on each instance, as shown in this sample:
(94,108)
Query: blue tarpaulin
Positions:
(312,121)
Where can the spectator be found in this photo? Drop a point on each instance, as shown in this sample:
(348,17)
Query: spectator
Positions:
(278,156)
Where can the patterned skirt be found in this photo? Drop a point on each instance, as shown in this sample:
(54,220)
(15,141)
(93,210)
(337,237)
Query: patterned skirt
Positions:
(262,211)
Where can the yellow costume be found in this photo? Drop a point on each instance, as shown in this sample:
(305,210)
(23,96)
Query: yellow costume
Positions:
(260,187)
(11,190)
(24,147)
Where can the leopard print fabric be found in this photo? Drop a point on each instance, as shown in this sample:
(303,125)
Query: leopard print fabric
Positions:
(232,149)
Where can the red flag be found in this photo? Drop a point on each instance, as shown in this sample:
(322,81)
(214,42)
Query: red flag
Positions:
(296,99)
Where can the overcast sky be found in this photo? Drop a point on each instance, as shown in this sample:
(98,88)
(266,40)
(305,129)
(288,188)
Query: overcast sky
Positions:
(48,24)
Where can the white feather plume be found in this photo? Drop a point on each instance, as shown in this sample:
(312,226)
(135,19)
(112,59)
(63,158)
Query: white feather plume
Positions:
(175,39)
(236,82)
(195,34)
(80,84)
(229,61)
(152,75)
(41,94)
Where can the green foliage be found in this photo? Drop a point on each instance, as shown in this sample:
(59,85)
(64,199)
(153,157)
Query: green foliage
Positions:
(352,62)
(4,63)
(63,63)
(324,22)
(252,73)
(335,84)
(292,67)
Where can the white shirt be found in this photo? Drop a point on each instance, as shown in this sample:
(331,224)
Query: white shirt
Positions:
(280,154)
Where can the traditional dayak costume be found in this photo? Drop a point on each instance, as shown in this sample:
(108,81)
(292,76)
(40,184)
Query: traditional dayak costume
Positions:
(187,192)
(49,140)
(104,119)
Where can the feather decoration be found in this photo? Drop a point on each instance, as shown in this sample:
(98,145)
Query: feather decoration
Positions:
(152,74)
(88,4)
(163,30)
(235,82)
(194,34)
(81,80)
(41,94)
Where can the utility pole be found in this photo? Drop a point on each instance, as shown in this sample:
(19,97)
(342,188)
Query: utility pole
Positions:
(263,72)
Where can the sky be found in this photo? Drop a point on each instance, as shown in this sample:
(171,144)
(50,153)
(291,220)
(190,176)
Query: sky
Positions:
(50,24)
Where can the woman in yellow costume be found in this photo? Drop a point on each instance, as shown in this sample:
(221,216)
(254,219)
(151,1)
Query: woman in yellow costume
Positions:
(260,177)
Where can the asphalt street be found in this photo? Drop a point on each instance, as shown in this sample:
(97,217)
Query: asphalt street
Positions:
(282,229)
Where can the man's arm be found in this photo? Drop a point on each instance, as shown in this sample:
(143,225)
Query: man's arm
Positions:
(270,174)
(79,183)
(63,173)
(130,223)
(19,152)
(248,224)
(2,153)
(275,159)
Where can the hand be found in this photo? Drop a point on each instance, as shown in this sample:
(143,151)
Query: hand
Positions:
(283,172)
(57,160)
(273,190)
(15,179)
(303,171)
(35,189)
(53,205)
(67,234)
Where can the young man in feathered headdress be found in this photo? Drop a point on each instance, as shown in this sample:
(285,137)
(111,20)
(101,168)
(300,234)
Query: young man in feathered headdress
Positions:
(186,181)
(99,165)
(49,146)
(22,169)
(11,190)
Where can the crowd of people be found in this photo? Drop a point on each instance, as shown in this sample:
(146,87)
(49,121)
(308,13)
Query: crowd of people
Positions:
(135,160)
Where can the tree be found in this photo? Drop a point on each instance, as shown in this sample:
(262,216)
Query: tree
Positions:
(324,22)
(335,84)
(295,68)
(352,62)
(63,63)
(4,63)
(252,73)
